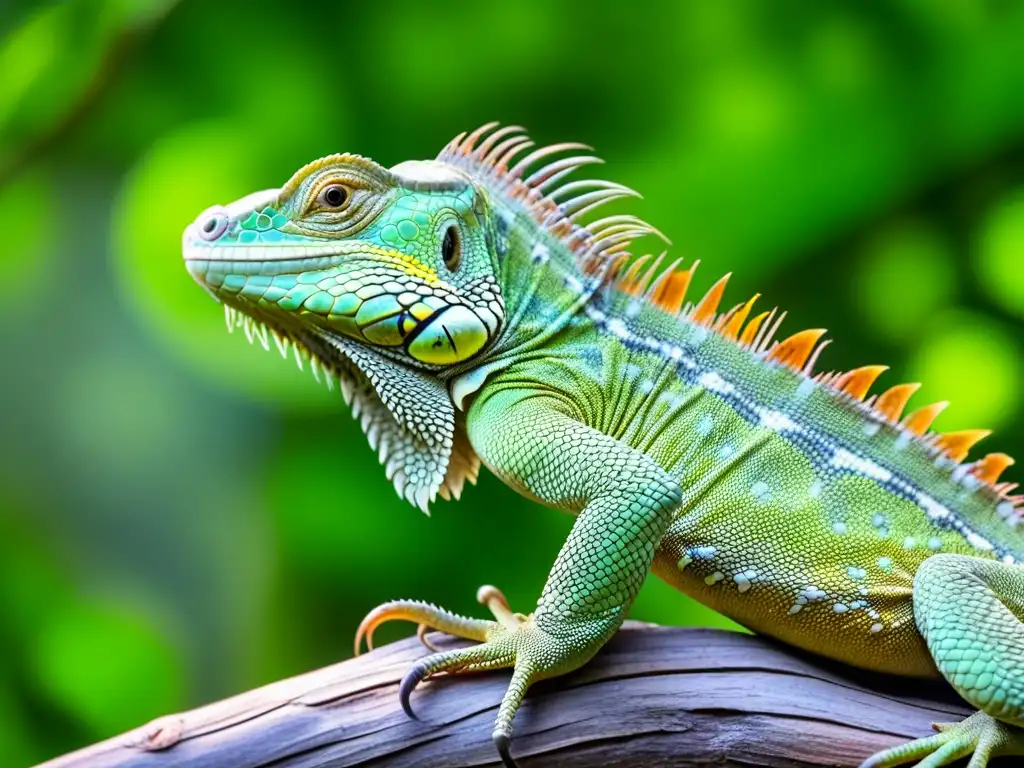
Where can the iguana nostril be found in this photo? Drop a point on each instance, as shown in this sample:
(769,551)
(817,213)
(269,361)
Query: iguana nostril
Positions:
(212,225)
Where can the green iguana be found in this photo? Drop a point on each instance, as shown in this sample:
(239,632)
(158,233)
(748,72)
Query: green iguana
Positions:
(473,309)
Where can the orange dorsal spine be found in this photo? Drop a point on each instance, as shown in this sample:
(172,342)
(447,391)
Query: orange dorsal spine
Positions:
(857,382)
(671,288)
(750,332)
(731,330)
(892,402)
(704,312)
(991,467)
(631,282)
(919,421)
(957,444)
(795,350)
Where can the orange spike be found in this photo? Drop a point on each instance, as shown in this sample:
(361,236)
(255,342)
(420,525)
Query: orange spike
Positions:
(991,467)
(630,282)
(647,278)
(704,312)
(750,332)
(957,444)
(859,380)
(892,402)
(795,350)
(919,421)
(732,328)
(723,318)
(671,292)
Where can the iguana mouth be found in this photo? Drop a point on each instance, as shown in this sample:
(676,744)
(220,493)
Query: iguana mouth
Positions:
(227,254)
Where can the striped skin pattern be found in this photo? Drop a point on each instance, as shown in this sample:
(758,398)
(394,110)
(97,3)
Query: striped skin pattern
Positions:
(475,309)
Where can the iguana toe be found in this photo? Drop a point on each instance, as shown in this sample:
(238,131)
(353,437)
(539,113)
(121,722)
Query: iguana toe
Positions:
(980,736)
(514,640)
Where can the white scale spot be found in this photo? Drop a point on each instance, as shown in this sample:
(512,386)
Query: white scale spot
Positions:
(704,425)
(618,328)
(684,561)
(805,389)
(871,428)
(714,578)
(646,386)
(761,492)
(815,490)
(633,309)
(716,383)
(885,563)
(876,627)
(840,608)
(935,543)
(704,552)
(777,422)
(932,508)
(839,528)
(807,595)
(726,451)
(909,542)
(903,440)
(978,542)
(878,520)
(856,573)
(744,579)
(631,371)
(843,459)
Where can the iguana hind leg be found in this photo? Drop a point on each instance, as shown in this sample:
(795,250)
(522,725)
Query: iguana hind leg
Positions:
(971,613)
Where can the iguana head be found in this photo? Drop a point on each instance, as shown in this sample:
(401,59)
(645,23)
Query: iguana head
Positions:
(405,282)
(400,260)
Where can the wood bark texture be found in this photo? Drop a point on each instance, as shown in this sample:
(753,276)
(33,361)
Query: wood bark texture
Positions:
(654,696)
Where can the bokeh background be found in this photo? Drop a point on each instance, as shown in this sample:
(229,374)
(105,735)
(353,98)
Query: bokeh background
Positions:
(183,516)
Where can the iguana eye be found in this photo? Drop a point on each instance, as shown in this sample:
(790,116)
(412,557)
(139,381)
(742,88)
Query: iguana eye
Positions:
(451,248)
(333,196)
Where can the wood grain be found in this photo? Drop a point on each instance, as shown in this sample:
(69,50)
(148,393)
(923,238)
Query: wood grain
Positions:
(654,696)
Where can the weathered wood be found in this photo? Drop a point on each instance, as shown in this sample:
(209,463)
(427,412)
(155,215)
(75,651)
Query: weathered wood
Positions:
(654,696)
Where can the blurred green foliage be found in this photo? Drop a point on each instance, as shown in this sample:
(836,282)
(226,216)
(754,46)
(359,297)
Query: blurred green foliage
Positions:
(183,516)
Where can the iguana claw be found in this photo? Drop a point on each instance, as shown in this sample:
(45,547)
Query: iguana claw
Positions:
(510,641)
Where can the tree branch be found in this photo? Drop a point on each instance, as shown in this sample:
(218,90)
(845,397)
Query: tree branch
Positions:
(654,696)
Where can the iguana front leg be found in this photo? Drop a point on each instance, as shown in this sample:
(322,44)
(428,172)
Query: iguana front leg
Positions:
(971,613)
(625,503)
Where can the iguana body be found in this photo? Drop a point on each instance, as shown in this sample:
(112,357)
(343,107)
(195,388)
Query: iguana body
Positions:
(470,316)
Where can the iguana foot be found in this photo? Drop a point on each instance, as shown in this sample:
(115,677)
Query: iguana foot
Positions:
(511,640)
(980,735)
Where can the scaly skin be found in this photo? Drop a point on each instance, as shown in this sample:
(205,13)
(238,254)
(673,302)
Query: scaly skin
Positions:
(470,317)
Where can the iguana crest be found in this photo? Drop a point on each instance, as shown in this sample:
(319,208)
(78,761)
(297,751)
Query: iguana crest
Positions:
(495,155)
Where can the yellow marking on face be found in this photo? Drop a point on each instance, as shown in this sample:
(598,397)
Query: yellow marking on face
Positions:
(408,264)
